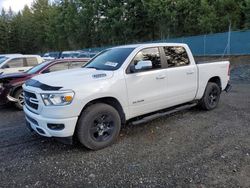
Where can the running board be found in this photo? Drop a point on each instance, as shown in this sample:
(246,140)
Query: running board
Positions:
(160,114)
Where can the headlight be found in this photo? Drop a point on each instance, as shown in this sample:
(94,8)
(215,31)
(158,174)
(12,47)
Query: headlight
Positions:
(57,99)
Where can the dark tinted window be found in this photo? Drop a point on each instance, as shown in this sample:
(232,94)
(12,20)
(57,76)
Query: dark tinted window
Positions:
(38,67)
(82,55)
(149,54)
(31,61)
(176,56)
(110,59)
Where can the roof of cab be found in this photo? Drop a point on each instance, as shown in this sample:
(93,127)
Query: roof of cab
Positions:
(149,45)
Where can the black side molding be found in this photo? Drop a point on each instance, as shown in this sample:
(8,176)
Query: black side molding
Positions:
(228,87)
(165,112)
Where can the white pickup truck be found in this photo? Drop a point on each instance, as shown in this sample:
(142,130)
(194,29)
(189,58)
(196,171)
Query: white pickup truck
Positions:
(14,63)
(133,83)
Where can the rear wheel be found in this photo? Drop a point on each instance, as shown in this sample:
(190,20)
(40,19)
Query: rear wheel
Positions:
(211,96)
(98,126)
(20,97)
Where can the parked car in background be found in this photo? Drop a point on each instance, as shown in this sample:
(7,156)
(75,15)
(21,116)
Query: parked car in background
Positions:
(18,63)
(51,55)
(2,55)
(135,83)
(69,54)
(86,54)
(11,84)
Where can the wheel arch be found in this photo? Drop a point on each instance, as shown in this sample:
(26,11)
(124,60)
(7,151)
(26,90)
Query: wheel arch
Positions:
(217,80)
(15,89)
(110,101)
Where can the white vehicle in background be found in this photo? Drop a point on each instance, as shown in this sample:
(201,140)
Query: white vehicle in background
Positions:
(18,63)
(134,83)
(2,55)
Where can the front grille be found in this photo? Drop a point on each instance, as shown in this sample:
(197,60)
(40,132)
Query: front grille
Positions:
(31,100)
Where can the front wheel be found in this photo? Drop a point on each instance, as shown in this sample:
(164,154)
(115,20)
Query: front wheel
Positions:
(20,99)
(211,96)
(98,126)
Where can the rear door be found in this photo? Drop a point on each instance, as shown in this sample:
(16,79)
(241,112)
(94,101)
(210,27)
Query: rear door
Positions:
(182,75)
(146,89)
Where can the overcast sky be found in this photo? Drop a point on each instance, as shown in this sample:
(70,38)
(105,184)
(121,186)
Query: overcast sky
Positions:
(16,5)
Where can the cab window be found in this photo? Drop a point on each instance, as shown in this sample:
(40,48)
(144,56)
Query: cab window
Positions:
(76,64)
(176,56)
(15,63)
(57,67)
(31,61)
(150,55)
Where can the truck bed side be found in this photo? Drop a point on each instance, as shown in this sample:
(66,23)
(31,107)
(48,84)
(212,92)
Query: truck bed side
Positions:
(208,71)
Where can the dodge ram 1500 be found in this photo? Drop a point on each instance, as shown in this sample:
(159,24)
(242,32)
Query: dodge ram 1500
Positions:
(133,83)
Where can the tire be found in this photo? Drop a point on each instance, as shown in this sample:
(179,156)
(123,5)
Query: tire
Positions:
(211,97)
(19,95)
(98,126)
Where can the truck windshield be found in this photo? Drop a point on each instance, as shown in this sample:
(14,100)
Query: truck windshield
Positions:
(38,67)
(110,59)
(3,59)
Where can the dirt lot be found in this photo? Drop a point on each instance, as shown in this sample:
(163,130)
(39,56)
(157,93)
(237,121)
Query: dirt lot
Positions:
(188,149)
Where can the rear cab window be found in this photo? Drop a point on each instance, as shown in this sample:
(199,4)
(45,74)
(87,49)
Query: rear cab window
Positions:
(31,61)
(176,56)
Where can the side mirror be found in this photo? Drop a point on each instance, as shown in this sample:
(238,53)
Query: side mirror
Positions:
(46,71)
(141,66)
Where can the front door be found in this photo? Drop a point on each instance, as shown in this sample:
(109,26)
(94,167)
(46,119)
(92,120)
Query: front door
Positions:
(146,88)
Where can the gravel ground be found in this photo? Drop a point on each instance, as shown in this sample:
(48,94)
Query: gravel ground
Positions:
(187,149)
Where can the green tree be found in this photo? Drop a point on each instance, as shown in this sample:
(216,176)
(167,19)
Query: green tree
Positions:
(246,11)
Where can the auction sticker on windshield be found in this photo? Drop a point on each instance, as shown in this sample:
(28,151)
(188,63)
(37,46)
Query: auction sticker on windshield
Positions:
(112,64)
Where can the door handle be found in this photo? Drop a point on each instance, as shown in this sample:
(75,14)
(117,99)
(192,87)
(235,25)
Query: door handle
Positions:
(190,72)
(160,77)
(20,70)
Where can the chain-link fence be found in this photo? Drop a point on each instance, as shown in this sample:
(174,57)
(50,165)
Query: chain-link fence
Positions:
(228,43)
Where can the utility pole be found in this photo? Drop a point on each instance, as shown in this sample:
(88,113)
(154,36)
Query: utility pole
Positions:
(229,39)
(204,45)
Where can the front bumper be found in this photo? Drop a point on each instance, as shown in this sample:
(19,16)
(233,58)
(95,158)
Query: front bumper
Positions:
(40,125)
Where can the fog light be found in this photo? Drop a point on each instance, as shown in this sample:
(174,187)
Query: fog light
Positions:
(56,127)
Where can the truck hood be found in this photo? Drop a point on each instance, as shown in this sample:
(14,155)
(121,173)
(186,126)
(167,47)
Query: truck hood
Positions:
(70,79)
(13,75)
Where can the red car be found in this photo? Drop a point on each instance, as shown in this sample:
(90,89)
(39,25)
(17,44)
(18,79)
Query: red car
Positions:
(11,84)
